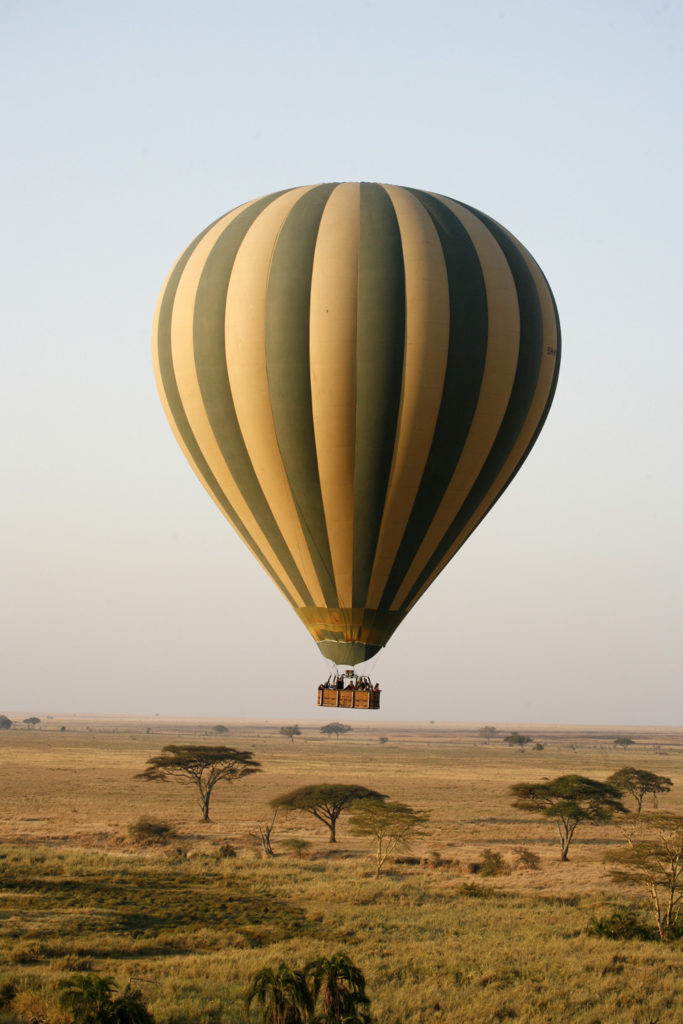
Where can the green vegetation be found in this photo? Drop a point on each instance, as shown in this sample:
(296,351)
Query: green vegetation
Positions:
(569,800)
(91,1000)
(518,739)
(335,729)
(655,865)
(391,826)
(202,767)
(638,783)
(290,731)
(325,802)
(5,722)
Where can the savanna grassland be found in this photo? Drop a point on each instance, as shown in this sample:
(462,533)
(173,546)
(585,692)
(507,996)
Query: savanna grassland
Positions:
(437,941)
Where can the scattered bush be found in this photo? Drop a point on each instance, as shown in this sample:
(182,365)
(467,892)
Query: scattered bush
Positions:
(477,892)
(151,832)
(624,923)
(526,859)
(493,863)
(8,990)
(225,850)
(297,846)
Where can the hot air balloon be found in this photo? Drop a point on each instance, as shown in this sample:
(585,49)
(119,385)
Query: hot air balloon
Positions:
(355,372)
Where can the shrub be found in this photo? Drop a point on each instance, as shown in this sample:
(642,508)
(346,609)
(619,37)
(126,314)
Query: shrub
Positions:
(493,863)
(297,846)
(624,923)
(527,859)
(477,892)
(151,831)
(225,850)
(8,990)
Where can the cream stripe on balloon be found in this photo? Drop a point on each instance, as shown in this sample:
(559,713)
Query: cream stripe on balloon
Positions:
(424,372)
(538,404)
(333,324)
(182,351)
(502,352)
(245,348)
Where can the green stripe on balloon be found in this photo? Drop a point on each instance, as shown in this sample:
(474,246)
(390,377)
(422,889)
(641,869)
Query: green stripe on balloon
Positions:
(214,383)
(379,368)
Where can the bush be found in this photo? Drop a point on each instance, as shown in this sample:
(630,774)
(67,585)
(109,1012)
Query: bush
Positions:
(225,850)
(493,863)
(151,832)
(297,846)
(527,859)
(477,892)
(624,923)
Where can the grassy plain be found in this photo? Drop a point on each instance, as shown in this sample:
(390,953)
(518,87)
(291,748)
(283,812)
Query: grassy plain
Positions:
(436,943)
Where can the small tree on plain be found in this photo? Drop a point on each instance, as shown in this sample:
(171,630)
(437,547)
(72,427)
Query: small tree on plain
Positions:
(5,722)
(202,767)
(655,865)
(569,800)
(325,802)
(220,729)
(487,732)
(638,783)
(335,729)
(31,721)
(623,742)
(517,739)
(390,825)
(290,731)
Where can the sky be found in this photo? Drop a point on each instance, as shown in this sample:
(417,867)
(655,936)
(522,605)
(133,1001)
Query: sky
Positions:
(127,129)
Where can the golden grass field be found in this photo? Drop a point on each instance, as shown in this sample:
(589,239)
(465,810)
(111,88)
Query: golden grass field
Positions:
(436,944)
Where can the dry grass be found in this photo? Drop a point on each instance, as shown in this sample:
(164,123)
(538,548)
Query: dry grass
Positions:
(76,892)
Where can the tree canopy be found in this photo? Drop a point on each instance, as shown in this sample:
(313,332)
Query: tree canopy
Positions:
(5,722)
(325,801)
(638,784)
(517,739)
(487,732)
(569,800)
(200,766)
(390,824)
(290,731)
(336,729)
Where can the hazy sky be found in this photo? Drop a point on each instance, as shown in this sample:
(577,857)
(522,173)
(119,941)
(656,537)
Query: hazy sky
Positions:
(126,129)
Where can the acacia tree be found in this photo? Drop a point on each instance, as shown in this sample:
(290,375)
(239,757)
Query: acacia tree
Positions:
(284,995)
(517,739)
(391,825)
(335,729)
(290,731)
(5,722)
(639,783)
(325,801)
(340,987)
(623,742)
(202,767)
(656,865)
(487,732)
(569,800)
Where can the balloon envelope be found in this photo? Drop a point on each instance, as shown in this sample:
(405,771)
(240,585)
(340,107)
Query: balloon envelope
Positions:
(355,373)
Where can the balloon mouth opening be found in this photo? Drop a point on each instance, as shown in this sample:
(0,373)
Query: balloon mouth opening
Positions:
(348,653)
